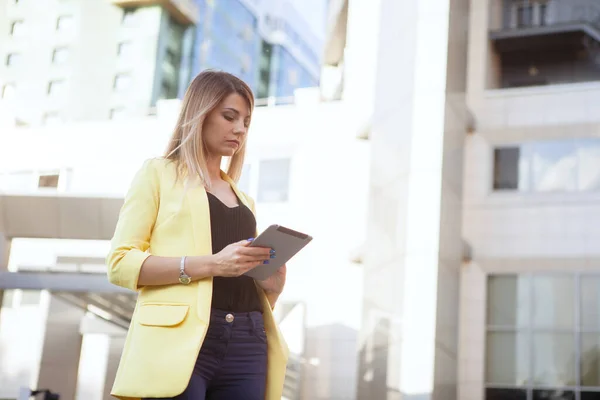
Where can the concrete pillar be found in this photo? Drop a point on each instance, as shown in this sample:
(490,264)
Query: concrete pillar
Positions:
(408,343)
(114,356)
(61,349)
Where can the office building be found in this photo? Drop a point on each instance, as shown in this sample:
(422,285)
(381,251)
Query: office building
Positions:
(265,42)
(100,59)
(464,140)
(92,60)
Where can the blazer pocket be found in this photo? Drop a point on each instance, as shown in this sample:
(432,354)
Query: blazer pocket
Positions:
(162,314)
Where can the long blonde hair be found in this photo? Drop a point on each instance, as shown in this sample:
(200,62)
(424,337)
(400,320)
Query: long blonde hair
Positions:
(187,147)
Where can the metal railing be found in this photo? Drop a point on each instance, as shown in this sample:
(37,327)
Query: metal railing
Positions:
(522,14)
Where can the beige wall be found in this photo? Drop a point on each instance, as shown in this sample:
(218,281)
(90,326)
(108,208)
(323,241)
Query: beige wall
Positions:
(517,232)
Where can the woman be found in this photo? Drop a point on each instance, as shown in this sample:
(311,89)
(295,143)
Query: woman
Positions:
(201,330)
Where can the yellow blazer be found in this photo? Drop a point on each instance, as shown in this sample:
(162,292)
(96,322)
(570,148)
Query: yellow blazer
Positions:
(161,218)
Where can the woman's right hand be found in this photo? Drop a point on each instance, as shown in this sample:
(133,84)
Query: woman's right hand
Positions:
(239,258)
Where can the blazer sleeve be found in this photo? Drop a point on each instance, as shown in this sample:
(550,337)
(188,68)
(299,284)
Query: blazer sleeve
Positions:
(131,239)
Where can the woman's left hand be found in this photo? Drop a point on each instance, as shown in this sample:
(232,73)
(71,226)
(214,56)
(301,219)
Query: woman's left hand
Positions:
(275,283)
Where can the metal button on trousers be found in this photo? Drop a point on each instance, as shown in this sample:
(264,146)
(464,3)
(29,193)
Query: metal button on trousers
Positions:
(229,318)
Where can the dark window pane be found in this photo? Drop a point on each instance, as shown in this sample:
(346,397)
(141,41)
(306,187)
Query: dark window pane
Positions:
(507,358)
(554,359)
(525,15)
(505,394)
(506,168)
(590,302)
(590,359)
(543,14)
(508,300)
(553,301)
(590,396)
(553,394)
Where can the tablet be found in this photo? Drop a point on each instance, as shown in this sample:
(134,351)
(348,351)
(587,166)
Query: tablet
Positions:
(286,243)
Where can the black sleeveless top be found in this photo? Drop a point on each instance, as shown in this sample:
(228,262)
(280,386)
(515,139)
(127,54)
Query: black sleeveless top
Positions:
(230,225)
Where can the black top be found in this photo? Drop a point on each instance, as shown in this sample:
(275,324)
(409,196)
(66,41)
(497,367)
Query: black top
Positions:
(230,225)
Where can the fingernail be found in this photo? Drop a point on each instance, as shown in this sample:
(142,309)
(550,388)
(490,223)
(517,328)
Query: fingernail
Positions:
(272,251)
(266,262)
(251,239)
(272,255)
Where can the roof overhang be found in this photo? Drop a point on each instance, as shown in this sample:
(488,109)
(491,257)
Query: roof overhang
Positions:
(183,11)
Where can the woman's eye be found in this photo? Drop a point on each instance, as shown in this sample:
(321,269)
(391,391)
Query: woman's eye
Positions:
(229,118)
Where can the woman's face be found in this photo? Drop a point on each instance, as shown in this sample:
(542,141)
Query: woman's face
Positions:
(225,128)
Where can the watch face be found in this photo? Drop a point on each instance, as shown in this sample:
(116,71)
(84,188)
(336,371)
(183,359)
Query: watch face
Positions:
(185,279)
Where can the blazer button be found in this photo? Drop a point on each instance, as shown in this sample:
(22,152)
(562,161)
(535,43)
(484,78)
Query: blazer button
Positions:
(229,318)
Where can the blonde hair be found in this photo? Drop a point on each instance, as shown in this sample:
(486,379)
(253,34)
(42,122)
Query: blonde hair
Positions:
(186,146)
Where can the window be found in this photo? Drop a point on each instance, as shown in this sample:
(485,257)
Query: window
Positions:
(506,168)
(124,50)
(13,59)
(551,166)
(122,82)
(52,118)
(293,77)
(48,181)
(273,180)
(543,337)
(17,28)
(60,55)
(524,15)
(56,88)
(543,10)
(8,91)
(64,23)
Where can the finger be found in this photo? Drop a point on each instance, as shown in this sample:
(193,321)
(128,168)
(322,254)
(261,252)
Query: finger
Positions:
(257,251)
(247,266)
(245,242)
(253,259)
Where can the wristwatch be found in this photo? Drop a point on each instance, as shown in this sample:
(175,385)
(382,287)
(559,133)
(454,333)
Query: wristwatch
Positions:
(184,278)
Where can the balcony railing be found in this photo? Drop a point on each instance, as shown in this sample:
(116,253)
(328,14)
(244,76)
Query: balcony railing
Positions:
(526,14)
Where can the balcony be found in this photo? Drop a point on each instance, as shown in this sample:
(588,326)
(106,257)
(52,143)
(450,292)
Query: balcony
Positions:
(183,11)
(544,42)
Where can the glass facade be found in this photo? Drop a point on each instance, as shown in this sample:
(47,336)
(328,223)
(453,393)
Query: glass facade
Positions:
(543,337)
(549,166)
(287,74)
(227,39)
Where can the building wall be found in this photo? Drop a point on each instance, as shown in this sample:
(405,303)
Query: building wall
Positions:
(519,231)
(408,343)
(227,38)
(91,37)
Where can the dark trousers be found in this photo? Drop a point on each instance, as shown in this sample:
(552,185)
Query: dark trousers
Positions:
(232,364)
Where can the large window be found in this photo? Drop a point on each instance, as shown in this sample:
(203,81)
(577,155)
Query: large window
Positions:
(552,166)
(543,337)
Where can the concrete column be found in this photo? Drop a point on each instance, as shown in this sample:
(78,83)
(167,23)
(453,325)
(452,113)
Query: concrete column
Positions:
(61,349)
(114,356)
(408,342)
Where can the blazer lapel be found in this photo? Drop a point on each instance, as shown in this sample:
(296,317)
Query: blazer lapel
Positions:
(238,193)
